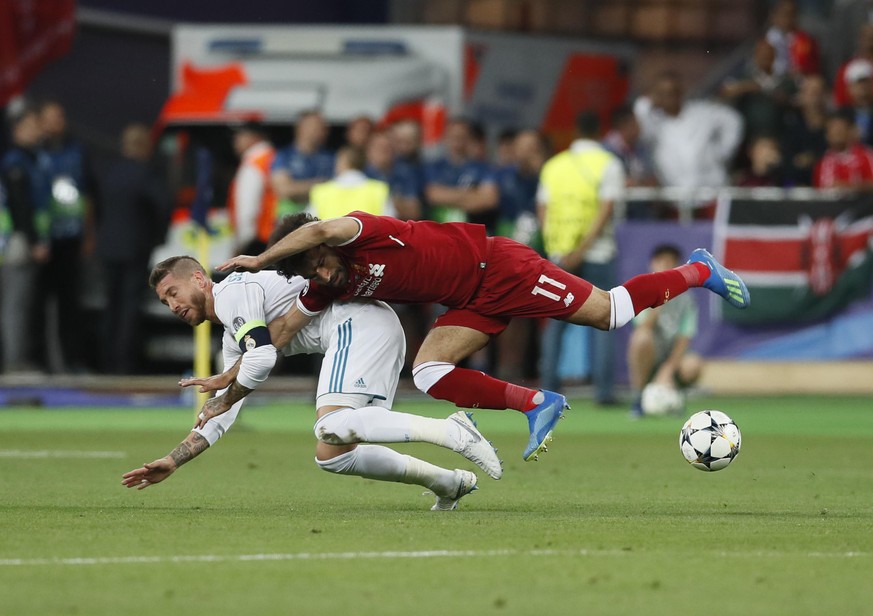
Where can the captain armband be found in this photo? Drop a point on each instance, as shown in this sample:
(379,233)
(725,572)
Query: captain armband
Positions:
(252,335)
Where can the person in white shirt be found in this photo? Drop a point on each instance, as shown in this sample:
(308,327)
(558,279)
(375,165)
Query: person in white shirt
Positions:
(364,349)
(692,141)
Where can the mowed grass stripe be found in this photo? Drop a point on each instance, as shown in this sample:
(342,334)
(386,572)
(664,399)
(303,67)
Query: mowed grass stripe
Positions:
(496,553)
(610,521)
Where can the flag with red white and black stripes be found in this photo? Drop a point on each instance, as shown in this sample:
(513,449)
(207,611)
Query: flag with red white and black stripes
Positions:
(802,260)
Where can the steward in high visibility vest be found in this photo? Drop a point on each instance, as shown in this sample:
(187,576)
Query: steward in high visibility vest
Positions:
(575,200)
(574,185)
(251,202)
(350,190)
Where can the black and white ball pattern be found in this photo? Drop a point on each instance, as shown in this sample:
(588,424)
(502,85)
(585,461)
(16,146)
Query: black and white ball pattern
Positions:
(710,440)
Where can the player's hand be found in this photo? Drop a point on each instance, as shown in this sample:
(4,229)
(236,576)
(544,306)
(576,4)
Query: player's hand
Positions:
(665,376)
(211,408)
(572,260)
(147,474)
(210,383)
(241,263)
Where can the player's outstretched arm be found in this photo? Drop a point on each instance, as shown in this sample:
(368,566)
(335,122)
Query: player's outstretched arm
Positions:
(214,382)
(222,404)
(331,232)
(155,472)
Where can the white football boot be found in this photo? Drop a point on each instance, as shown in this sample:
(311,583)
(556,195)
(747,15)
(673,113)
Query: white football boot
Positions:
(475,447)
(466,484)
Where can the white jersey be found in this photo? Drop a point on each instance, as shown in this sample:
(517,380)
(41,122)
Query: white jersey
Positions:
(363,342)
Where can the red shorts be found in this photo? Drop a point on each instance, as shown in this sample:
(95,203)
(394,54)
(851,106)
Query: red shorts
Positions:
(518,282)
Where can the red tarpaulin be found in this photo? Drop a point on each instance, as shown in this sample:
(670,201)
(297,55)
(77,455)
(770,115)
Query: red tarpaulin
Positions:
(32,33)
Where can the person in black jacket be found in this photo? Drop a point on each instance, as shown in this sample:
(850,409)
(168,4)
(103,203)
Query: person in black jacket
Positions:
(28,191)
(135,209)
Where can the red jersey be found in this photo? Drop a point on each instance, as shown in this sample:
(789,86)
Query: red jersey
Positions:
(852,167)
(406,262)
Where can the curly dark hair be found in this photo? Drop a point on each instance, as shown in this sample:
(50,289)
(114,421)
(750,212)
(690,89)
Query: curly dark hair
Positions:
(289,266)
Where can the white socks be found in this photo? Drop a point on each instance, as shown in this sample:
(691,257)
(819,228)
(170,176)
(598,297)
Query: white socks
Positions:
(426,375)
(621,307)
(376,424)
(384,464)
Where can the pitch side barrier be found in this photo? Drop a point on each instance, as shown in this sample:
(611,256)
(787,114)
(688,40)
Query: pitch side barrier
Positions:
(806,255)
(687,201)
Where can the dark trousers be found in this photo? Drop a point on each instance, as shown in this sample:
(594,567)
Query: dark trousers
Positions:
(126,285)
(60,279)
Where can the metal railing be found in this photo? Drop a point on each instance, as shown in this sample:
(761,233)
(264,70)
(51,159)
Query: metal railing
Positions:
(687,200)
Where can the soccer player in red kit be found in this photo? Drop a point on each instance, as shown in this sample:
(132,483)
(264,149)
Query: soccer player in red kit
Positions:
(483,281)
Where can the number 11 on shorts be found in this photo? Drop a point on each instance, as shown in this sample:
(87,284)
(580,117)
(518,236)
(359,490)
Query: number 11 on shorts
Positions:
(538,290)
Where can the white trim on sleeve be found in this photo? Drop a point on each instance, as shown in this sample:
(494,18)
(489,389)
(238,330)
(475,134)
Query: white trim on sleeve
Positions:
(347,242)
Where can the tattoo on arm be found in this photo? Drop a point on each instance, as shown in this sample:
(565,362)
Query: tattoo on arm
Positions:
(190,448)
(235,393)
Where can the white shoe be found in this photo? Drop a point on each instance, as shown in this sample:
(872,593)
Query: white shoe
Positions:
(475,447)
(466,484)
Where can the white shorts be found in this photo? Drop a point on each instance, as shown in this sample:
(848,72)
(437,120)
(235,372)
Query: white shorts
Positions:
(366,348)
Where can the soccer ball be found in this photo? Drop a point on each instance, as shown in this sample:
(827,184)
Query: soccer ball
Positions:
(709,440)
(660,399)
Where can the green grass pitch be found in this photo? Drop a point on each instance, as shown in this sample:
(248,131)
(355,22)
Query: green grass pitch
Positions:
(611,521)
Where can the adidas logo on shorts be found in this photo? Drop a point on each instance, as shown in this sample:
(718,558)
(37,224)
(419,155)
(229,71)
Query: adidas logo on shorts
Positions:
(360,383)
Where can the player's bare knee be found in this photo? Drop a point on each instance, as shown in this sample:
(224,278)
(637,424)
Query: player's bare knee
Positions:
(690,368)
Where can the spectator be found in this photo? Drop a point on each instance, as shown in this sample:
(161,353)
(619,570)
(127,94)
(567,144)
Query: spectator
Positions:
(517,183)
(859,74)
(578,192)
(5,228)
(351,190)
(134,215)
(864,51)
(849,17)
(518,180)
(765,164)
(658,350)
(478,144)
(251,202)
(505,155)
(796,50)
(624,141)
(27,178)
(459,188)
(406,141)
(302,165)
(803,133)
(758,92)
(846,163)
(358,132)
(383,165)
(692,142)
(71,233)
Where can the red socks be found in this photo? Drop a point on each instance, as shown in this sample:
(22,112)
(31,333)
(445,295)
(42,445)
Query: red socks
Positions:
(651,290)
(475,389)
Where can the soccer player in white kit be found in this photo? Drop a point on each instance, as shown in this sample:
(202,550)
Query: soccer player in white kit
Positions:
(364,349)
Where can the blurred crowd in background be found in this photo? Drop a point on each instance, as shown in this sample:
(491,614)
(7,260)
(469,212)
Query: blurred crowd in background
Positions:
(781,121)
